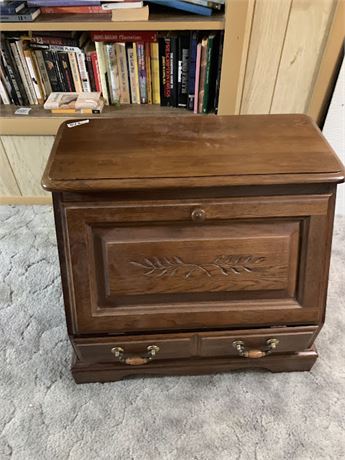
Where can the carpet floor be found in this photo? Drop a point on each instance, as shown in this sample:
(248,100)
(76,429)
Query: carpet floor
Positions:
(240,415)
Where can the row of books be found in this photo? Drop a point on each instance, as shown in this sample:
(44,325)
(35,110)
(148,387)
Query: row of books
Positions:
(178,69)
(19,11)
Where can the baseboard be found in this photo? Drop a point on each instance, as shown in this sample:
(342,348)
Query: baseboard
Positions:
(26,200)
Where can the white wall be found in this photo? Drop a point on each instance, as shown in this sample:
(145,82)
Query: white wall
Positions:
(334,130)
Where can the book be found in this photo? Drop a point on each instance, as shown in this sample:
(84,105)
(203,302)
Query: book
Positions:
(202,77)
(208,74)
(124,37)
(132,14)
(206,3)
(33,76)
(73,63)
(89,68)
(162,71)
(73,10)
(46,3)
(167,87)
(121,57)
(121,5)
(59,100)
(182,70)
(219,70)
(184,6)
(20,68)
(173,70)
(102,70)
(136,73)
(191,69)
(148,72)
(112,72)
(43,71)
(24,15)
(154,53)
(66,70)
(84,76)
(142,72)
(10,73)
(197,78)
(95,69)
(12,7)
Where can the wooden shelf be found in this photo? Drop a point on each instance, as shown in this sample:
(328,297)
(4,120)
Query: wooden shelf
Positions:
(101,22)
(41,122)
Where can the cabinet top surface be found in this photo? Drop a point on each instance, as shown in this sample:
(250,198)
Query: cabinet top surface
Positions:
(157,152)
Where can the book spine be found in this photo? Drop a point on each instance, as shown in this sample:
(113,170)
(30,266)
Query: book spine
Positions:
(131,73)
(219,71)
(123,73)
(154,51)
(89,68)
(167,88)
(47,40)
(43,72)
(173,70)
(51,70)
(72,10)
(20,17)
(142,73)
(124,37)
(3,93)
(85,82)
(203,63)
(191,70)
(207,89)
(75,71)
(6,80)
(18,63)
(197,78)
(67,74)
(147,52)
(162,70)
(113,72)
(20,48)
(102,70)
(182,80)
(33,76)
(9,8)
(38,75)
(95,69)
(8,68)
(136,72)
(59,71)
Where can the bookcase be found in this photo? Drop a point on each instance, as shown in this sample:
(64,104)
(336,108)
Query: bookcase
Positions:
(274,58)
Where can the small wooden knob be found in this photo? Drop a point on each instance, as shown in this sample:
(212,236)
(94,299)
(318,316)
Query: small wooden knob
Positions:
(198,215)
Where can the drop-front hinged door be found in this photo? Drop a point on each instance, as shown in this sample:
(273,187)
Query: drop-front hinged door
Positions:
(193,264)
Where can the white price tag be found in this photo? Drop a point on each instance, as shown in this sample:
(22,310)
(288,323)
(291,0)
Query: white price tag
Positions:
(77,123)
(23,111)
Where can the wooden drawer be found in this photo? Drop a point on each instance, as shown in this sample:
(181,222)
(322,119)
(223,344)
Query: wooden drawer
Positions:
(290,339)
(198,344)
(190,264)
(100,349)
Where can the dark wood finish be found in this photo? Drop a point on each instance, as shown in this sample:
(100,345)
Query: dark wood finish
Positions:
(150,152)
(84,372)
(239,252)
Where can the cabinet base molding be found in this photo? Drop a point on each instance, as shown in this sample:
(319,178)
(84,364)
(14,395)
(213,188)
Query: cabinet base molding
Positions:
(107,372)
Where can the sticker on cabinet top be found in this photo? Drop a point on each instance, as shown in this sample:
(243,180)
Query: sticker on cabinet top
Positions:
(77,123)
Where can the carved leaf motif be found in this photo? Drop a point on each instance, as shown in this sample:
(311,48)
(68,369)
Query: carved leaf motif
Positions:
(224,264)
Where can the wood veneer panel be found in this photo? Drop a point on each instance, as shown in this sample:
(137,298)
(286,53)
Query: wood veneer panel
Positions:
(307,28)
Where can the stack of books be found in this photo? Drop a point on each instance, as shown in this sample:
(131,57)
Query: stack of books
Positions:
(17,11)
(66,103)
(178,69)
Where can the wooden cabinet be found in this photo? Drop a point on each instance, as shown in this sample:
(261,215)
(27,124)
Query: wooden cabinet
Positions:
(170,259)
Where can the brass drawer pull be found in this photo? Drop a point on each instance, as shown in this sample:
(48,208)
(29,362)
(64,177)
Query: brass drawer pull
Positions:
(271,345)
(134,360)
(198,215)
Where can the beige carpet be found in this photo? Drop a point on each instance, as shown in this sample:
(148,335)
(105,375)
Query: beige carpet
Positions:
(242,415)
